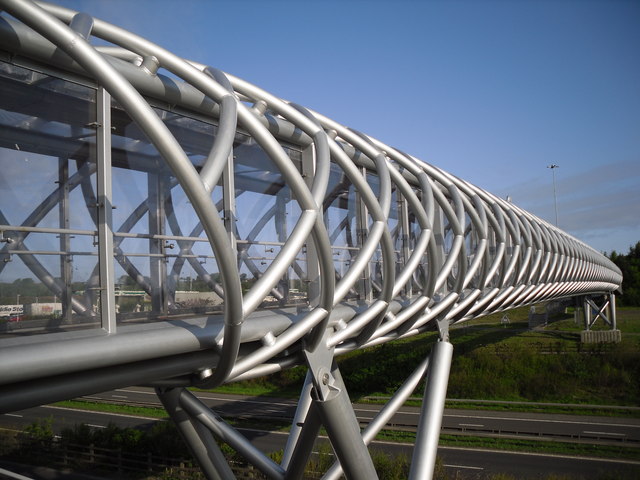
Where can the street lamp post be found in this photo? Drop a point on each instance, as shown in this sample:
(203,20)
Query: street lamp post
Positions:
(553,167)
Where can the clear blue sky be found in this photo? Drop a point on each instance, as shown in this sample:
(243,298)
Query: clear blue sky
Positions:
(492,91)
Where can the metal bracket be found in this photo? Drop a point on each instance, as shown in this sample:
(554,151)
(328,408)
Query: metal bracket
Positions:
(443,329)
(320,361)
(4,239)
(336,413)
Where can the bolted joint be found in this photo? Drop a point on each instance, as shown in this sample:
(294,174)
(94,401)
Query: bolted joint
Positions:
(324,384)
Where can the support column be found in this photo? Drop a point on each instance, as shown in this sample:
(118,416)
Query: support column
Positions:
(602,306)
(280,219)
(403,220)
(343,430)
(435,392)
(365,289)
(612,311)
(104,206)
(587,313)
(157,261)
(312,279)
(331,400)
(386,413)
(66,266)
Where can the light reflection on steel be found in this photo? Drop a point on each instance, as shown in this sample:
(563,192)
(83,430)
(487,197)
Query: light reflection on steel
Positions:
(414,248)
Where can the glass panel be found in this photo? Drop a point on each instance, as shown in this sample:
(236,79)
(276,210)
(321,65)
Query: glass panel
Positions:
(48,254)
(340,218)
(164,264)
(395,229)
(267,214)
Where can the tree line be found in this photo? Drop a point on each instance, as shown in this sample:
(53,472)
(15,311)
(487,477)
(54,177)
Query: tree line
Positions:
(629,264)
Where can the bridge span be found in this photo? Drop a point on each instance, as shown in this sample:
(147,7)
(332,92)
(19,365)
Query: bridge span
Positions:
(187,228)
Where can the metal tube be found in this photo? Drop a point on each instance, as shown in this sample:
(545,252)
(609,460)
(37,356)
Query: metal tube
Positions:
(302,412)
(426,447)
(343,430)
(612,311)
(304,442)
(387,412)
(205,416)
(104,206)
(465,253)
(198,439)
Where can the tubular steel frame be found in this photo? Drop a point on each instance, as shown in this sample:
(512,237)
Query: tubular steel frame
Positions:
(424,250)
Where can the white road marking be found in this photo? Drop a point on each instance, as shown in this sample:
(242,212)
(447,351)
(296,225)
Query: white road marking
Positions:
(95,426)
(464,466)
(96,412)
(135,391)
(542,455)
(606,433)
(13,415)
(541,420)
(222,399)
(17,476)
(478,417)
(470,425)
(376,411)
(119,396)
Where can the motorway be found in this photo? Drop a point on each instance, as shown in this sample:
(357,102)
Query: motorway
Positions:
(470,422)
(469,463)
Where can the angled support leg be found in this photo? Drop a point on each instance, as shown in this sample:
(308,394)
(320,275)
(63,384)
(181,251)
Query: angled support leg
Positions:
(199,440)
(387,412)
(206,417)
(302,412)
(337,415)
(426,448)
(303,434)
(304,446)
(343,430)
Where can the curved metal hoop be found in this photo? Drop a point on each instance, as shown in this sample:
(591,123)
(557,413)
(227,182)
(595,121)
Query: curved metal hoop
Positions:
(421,246)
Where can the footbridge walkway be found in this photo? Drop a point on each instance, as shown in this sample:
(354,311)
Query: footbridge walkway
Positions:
(168,224)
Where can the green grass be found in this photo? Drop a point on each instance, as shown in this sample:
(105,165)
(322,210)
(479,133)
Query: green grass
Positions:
(150,412)
(530,407)
(496,361)
(492,361)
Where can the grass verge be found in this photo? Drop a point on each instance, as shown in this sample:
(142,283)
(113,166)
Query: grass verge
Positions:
(523,407)
(120,409)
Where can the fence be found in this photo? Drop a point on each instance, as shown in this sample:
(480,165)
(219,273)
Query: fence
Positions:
(109,462)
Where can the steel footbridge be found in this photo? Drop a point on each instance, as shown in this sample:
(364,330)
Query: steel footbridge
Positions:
(165,223)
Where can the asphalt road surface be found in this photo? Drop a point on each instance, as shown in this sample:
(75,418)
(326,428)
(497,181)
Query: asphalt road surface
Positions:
(469,463)
(621,431)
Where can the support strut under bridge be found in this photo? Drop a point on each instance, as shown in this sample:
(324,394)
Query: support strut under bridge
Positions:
(323,402)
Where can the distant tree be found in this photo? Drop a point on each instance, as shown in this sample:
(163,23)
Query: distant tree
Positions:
(126,282)
(629,264)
